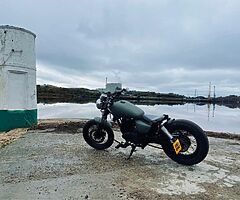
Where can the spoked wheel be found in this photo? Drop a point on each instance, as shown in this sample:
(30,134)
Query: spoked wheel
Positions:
(193,140)
(98,138)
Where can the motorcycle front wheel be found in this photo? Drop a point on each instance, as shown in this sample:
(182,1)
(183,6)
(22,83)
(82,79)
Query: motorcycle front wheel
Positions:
(193,140)
(98,138)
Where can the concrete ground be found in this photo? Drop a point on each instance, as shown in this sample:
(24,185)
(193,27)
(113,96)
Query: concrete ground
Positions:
(59,165)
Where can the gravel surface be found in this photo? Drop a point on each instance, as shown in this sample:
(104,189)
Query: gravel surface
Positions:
(48,164)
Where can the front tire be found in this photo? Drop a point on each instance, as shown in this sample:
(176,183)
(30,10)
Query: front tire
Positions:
(188,133)
(98,138)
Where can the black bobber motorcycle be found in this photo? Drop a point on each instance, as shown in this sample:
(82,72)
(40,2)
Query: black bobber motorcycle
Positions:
(182,140)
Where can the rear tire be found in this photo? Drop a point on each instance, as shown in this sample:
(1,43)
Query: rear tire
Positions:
(99,140)
(186,131)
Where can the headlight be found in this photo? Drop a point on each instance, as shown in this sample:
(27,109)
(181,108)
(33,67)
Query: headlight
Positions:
(103,97)
(101,101)
(99,104)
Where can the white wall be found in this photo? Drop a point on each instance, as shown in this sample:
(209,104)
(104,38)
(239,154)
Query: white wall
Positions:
(17,69)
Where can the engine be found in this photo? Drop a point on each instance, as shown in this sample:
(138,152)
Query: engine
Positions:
(130,133)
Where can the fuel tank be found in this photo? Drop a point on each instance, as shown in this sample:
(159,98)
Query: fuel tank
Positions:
(126,109)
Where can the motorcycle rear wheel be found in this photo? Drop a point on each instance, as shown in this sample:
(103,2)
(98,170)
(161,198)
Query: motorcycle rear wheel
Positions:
(99,139)
(188,134)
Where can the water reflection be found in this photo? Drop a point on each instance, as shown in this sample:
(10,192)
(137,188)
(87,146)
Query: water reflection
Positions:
(208,116)
(228,104)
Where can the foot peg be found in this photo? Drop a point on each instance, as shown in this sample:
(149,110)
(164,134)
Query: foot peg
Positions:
(122,145)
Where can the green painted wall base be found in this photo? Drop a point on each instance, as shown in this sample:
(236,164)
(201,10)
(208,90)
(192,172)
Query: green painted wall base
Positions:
(10,119)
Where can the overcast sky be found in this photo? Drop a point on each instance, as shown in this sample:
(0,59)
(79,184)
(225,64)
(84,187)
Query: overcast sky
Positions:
(158,45)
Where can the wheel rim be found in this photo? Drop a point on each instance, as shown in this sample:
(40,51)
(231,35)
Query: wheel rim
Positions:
(96,136)
(187,140)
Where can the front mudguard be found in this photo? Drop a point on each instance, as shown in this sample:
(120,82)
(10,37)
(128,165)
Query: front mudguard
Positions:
(101,122)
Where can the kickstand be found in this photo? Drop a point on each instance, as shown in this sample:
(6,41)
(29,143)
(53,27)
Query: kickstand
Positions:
(132,150)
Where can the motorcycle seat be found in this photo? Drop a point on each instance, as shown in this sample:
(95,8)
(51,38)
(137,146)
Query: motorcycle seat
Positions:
(153,118)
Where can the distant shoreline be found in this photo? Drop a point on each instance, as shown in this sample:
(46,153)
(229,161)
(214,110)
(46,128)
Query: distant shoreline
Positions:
(52,94)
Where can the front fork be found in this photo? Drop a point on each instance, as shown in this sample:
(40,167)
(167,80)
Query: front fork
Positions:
(103,120)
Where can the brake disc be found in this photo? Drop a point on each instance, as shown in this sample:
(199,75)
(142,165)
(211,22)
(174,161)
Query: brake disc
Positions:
(98,137)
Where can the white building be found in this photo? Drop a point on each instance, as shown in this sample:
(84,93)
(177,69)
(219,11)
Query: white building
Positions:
(18,96)
(112,87)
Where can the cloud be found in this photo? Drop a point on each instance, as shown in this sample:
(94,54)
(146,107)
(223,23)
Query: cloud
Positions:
(47,74)
(150,45)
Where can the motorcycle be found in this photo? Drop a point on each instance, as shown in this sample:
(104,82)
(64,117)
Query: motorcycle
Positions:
(182,140)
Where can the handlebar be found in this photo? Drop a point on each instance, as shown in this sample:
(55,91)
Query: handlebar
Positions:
(115,94)
(118,93)
(110,98)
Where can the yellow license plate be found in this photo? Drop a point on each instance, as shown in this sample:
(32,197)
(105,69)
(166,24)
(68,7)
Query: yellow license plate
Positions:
(177,146)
